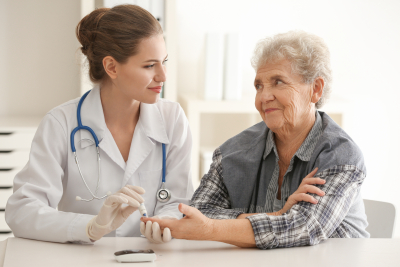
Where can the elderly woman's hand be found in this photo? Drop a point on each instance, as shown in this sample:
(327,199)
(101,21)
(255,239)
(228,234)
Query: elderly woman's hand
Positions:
(306,186)
(194,226)
(301,194)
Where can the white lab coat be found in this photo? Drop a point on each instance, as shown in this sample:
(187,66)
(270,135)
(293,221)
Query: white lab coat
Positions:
(43,205)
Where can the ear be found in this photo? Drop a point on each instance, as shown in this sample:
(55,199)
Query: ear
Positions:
(318,88)
(110,66)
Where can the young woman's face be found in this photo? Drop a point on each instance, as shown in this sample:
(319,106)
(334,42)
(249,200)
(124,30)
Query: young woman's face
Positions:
(142,76)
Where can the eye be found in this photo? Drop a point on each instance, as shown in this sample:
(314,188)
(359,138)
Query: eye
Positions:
(258,86)
(149,66)
(277,82)
(165,61)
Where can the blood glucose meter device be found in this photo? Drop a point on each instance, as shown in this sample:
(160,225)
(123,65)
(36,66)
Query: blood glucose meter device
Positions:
(135,255)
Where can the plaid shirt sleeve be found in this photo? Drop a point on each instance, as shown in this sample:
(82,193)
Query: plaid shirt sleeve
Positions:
(212,197)
(309,224)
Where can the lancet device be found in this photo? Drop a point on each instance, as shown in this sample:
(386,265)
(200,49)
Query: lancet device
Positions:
(143,210)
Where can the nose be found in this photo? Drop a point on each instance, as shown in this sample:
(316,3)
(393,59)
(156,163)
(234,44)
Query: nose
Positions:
(161,74)
(267,95)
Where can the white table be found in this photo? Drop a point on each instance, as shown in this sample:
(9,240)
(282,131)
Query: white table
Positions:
(333,252)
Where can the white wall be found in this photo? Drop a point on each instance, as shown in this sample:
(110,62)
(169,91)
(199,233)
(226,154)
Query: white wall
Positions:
(3,52)
(364,39)
(38,66)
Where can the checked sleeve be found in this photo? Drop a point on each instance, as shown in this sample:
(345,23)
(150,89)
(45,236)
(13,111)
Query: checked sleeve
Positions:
(309,224)
(212,197)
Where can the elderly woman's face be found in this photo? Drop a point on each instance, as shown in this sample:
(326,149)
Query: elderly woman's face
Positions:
(283,99)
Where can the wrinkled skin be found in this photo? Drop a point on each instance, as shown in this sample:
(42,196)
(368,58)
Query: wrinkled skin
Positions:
(285,103)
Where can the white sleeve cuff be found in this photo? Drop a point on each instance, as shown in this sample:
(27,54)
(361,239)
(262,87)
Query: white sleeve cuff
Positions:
(77,229)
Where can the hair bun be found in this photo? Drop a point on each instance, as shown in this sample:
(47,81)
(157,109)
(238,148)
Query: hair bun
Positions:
(87,28)
(115,32)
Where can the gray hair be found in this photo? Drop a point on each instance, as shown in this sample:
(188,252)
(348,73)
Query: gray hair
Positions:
(308,54)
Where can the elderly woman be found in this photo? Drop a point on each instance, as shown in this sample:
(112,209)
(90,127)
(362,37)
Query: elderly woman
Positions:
(256,183)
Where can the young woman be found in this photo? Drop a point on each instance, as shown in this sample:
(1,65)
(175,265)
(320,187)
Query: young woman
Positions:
(113,148)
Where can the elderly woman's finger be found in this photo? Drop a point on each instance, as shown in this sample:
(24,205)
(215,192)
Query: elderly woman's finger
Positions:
(311,189)
(167,235)
(162,223)
(311,174)
(151,219)
(305,197)
(313,181)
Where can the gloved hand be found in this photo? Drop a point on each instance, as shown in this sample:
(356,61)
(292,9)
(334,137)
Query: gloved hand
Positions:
(112,215)
(153,232)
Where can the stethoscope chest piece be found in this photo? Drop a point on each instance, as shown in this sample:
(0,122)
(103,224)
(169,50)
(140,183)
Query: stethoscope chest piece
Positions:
(163,195)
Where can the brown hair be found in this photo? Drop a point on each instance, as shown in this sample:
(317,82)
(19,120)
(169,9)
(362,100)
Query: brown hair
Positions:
(114,32)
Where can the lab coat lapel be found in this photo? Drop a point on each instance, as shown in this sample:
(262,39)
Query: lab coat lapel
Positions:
(93,116)
(149,130)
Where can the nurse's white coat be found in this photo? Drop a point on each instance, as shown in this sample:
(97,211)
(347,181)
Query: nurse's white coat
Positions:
(43,205)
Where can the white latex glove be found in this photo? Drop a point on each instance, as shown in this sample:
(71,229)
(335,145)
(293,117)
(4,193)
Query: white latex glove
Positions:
(153,233)
(112,215)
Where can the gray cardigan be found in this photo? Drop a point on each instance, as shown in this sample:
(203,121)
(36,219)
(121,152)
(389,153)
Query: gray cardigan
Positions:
(242,154)
(239,177)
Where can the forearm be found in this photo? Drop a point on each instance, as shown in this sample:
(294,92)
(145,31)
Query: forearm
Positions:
(236,232)
(34,221)
(218,213)
(244,215)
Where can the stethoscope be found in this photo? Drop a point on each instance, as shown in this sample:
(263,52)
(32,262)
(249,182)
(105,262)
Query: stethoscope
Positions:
(163,194)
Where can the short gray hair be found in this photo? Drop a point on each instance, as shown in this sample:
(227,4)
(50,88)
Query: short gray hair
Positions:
(308,54)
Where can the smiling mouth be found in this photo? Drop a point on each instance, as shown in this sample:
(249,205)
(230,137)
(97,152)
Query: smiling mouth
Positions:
(156,89)
(269,110)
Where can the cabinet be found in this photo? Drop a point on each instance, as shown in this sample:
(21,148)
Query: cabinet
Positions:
(16,135)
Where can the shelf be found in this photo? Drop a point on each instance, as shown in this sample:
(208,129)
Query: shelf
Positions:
(21,123)
(195,107)
(191,103)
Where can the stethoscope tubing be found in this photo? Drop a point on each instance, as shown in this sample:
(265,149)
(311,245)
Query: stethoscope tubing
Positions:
(96,140)
(80,126)
(164,163)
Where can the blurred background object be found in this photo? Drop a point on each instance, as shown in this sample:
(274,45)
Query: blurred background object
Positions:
(214,66)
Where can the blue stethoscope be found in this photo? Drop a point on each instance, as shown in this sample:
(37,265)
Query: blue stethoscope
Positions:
(163,194)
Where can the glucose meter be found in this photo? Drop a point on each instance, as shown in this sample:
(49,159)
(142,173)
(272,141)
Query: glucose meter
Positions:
(135,255)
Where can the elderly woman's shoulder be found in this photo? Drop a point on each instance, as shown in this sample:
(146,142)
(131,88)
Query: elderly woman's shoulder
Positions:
(335,147)
(247,139)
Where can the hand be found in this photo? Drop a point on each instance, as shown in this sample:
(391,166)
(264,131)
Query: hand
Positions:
(112,215)
(194,226)
(151,230)
(306,186)
(300,194)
